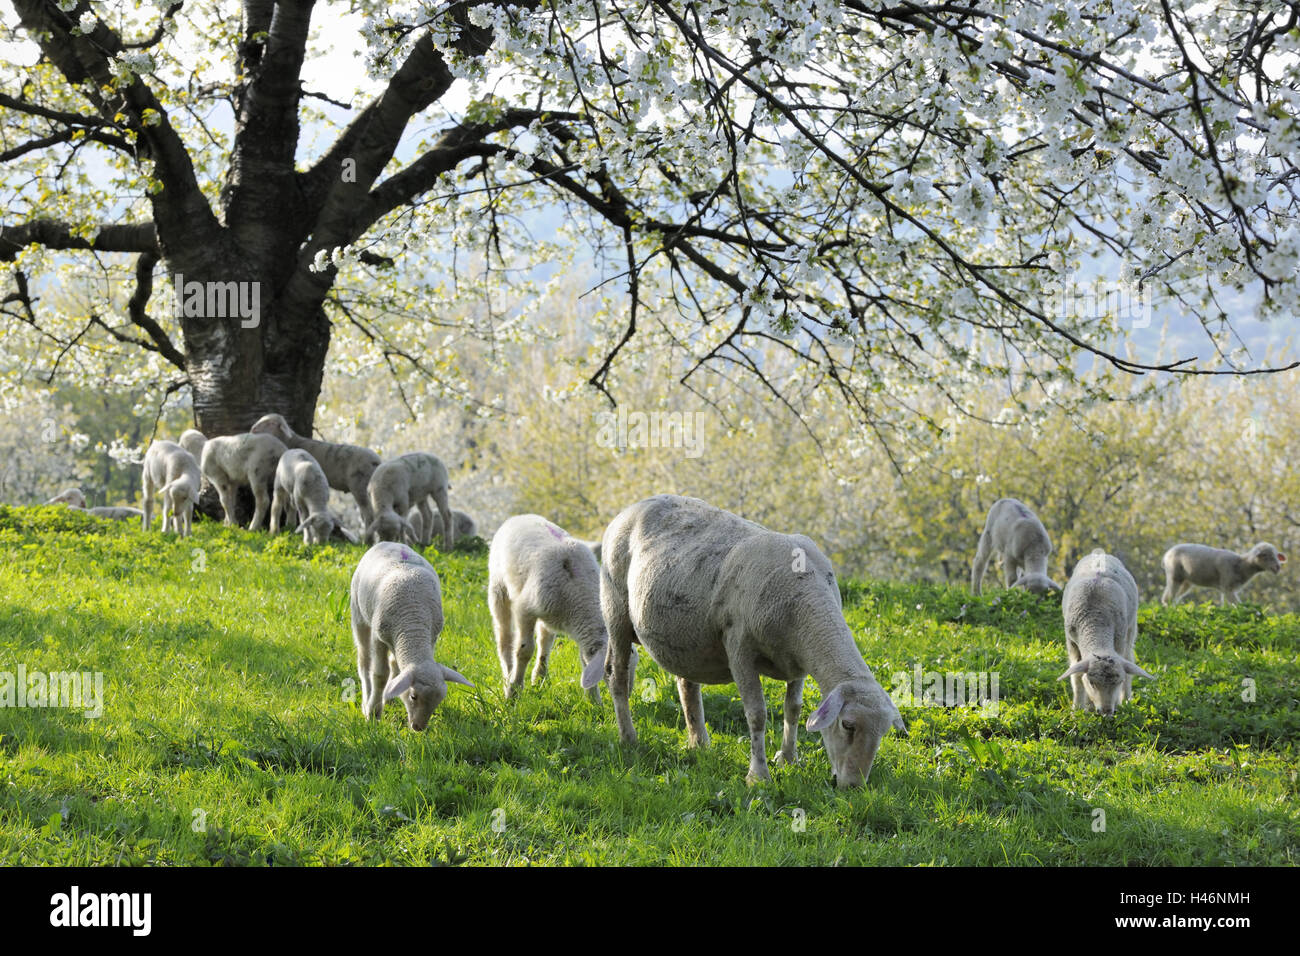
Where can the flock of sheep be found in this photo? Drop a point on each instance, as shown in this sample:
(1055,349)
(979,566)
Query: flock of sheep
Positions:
(711,597)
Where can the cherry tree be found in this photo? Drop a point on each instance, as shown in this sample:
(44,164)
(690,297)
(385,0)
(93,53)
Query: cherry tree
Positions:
(890,196)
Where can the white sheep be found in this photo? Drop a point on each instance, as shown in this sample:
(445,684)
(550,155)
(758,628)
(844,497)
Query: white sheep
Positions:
(302,489)
(406,481)
(193,440)
(466,526)
(542,581)
(714,598)
(396,619)
(1100,607)
(346,467)
(234,460)
(1019,539)
(72,497)
(1192,565)
(171,469)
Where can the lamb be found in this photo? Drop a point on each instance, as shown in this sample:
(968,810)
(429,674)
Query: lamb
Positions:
(1100,606)
(173,470)
(541,580)
(397,613)
(1189,565)
(346,467)
(193,441)
(234,460)
(1022,545)
(466,527)
(396,485)
(714,598)
(302,489)
(73,498)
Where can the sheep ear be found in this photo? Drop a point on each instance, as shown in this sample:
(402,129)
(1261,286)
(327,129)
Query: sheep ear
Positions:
(899,726)
(408,533)
(454,677)
(1135,670)
(1080,668)
(349,536)
(594,672)
(399,684)
(1281,558)
(825,715)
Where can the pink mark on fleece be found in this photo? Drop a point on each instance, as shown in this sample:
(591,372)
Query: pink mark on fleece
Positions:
(555,532)
(406,555)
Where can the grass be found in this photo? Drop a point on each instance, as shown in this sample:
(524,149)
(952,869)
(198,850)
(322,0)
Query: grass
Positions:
(231,733)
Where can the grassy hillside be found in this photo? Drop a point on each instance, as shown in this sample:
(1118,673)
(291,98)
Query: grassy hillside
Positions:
(230,734)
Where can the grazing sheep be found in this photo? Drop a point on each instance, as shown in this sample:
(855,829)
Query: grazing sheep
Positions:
(1100,607)
(714,598)
(302,489)
(466,527)
(1021,542)
(173,470)
(406,481)
(541,580)
(1191,565)
(193,441)
(346,467)
(72,497)
(116,513)
(234,460)
(397,614)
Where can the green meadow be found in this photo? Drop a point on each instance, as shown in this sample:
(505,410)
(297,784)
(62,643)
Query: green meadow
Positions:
(231,731)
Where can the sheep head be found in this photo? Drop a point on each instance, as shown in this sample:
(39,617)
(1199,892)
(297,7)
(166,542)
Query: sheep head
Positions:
(1103,679)
(273,425)
(1265,557)
(390,526)
(422,688)
(72,497)
(1036,584)
(852,720)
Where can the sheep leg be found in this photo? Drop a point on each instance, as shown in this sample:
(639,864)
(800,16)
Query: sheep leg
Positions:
(545,638)
(697,734)
(1169,590)
(1010,570)
(148,500)
(361,495)
(262,504)
(168,512)
(378,681)
(279,506)
(619,660)
(361,637)
(525,624)
(499,604)
(1076,680)
(227,495)
(448,523)
(789,753)
(426,516)
(982,554)
(750,686)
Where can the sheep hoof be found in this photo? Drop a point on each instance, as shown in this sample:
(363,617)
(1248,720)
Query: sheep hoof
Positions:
(753,777)
(781,759)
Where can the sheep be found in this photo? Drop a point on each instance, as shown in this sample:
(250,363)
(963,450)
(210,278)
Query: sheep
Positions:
(1100,606)
(466,527)
(1189,565)
(541,580)
(302,489)
(395,486)
(346,467)
(234,460)
(72,497)
(173,470)
(714,598)
(192,441)
(1022,545)
(116,513)
(397,613)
